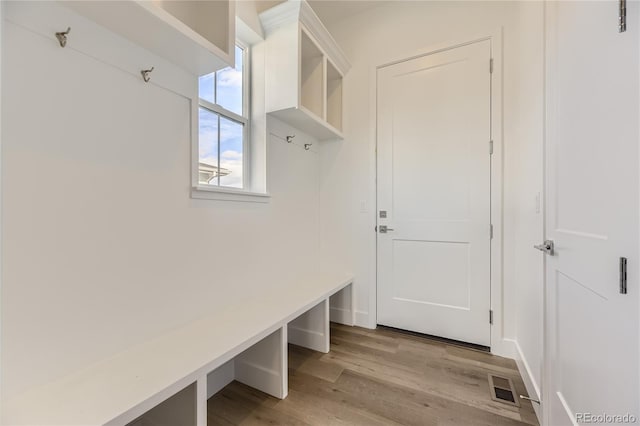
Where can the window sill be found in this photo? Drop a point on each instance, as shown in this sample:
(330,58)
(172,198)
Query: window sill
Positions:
(228,194)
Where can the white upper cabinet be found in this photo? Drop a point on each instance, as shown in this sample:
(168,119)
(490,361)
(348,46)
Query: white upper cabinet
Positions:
(198,36)
(304,70)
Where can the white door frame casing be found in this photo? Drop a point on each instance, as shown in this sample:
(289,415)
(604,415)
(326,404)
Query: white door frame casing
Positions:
(1,300)
(500,344)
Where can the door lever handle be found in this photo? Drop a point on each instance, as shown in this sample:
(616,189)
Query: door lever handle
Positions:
(383,229)
(546,247)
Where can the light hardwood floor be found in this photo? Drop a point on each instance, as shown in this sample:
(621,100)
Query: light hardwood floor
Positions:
(379,377)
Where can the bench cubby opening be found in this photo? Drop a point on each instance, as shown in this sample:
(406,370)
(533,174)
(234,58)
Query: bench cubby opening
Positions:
(180,409)
(262,366)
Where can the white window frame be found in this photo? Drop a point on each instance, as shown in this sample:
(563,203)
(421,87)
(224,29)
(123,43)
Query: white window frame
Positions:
(219,192)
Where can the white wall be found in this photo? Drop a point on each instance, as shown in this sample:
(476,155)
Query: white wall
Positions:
(103,246)
(398,30)
(524,265)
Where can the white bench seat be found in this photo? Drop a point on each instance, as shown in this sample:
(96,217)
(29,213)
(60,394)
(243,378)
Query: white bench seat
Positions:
(119,389)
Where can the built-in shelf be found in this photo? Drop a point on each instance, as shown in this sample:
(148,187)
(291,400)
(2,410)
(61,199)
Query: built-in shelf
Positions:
(198,36)
(334,96)
(168,379)
(311,75)
(304,70)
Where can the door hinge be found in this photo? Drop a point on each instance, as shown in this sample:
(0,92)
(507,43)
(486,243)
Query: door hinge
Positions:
(491,147)
(491,66)
(491,231)
(622,16)
(491,316)
(623,275)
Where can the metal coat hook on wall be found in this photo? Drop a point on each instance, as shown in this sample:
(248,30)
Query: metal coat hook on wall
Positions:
(62,37)
(307,146)
(622,16)
(145,74)
(290,138)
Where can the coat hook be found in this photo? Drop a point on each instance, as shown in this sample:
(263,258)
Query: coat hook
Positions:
(62,37)
(622,16)
(145,74)
(290,138)
(307,146)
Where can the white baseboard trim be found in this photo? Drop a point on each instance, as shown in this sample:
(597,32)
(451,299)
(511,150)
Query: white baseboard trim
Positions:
(306,338)
(259,377)
(341,316)
(529,381)
(505,348)
(362,320)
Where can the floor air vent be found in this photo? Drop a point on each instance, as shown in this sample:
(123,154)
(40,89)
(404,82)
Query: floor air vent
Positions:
(502,390)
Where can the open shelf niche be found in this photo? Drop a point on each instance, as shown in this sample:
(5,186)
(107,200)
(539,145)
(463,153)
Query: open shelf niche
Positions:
(334,96)
(311,76)
(304,69)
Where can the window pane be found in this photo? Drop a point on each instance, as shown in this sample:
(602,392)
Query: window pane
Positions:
(206,87)
(208,148)
(231,153)
(229,85)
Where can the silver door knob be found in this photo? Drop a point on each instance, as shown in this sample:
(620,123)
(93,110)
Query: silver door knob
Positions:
(546,247)
(383,229)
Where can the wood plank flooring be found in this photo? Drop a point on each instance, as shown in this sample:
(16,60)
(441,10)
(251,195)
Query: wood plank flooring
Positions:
(379,377)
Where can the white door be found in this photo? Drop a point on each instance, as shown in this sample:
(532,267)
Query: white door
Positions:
(591,329)
(434,166)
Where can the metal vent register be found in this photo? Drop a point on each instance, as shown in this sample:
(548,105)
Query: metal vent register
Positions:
(502,390)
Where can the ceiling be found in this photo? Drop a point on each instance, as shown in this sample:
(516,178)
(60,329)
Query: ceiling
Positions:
(329,11)
(332,11)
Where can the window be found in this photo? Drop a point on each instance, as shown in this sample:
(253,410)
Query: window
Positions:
(224,125)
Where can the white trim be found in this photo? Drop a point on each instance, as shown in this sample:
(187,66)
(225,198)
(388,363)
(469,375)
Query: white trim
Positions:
(274,18)
(500,345)
(505,348)
(363,319)
(221,193)
(341,315)
(299,10)
(549,35)
(246,78)
(201,401)
(529,380)
(223,111)
(1,268)
(638,24)
(247,177)
(371,316)
(497,188)
(568,411)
